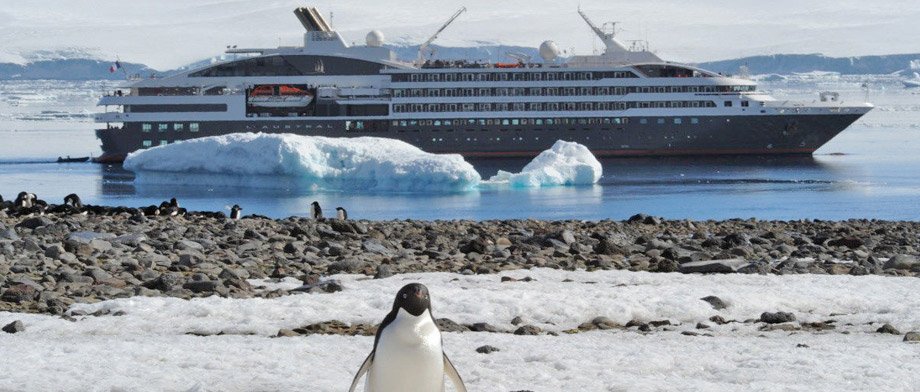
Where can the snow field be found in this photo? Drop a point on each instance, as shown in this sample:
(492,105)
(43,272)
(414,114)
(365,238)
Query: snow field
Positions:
(148,348)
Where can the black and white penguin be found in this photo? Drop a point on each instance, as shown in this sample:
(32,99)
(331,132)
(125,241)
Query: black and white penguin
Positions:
(235,212)
(24,200)
(316,212)
(407,354)
(151,211)
(73,200)
(341,213)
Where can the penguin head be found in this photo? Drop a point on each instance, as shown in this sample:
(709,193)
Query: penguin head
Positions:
(413,298)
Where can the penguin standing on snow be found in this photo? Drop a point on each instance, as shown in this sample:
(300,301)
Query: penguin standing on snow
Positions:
(316,212)
(407,354)
(341,213)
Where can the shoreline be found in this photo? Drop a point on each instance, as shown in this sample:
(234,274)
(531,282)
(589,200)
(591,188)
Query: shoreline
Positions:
(50,262)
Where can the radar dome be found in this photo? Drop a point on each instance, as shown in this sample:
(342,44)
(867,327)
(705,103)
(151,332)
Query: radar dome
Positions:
(549,51)
(375,39)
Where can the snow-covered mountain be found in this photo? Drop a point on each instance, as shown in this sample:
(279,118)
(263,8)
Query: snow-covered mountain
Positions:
(168,33)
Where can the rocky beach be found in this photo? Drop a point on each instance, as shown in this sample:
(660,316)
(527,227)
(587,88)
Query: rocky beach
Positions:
(50,262)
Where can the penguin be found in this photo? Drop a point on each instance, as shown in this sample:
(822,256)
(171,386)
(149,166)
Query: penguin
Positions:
(408,354)
(73,200)
(24,200)
(235,212)
(316,212)
(341,213)
(151,211)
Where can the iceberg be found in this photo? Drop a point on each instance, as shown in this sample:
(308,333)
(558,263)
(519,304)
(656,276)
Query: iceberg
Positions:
(566,163)
(295,161)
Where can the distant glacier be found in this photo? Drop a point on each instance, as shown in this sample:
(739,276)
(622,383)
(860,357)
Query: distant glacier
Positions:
(783,64)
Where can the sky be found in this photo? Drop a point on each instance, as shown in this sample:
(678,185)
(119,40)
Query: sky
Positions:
(170,33)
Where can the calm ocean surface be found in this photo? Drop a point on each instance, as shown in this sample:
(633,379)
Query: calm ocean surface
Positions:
(872,170)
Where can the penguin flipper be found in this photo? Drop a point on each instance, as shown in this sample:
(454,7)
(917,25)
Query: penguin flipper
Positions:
(364,368)
(451,372)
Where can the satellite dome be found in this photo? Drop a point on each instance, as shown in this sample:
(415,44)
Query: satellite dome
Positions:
(549,51)
(375,39)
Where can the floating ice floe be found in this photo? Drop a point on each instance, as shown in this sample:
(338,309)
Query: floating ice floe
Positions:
(365,163)
(294,161)
(566,163)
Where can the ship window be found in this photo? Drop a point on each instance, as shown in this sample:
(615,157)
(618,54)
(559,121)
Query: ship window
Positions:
(162,127)
(694,121)
(163,142)
(678,121)
(661,121)
(146,127)
(745,104)
(728,104)
(643,121)
(193,127)
(178,127)
(147,143)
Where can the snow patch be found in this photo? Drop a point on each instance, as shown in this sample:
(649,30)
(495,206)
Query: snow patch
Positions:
(294,161)
(566,163)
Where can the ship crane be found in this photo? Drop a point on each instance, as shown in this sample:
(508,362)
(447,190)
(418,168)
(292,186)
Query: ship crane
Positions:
(608,39)
(422,48)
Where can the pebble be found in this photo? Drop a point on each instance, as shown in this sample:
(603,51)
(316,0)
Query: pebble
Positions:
(777,318)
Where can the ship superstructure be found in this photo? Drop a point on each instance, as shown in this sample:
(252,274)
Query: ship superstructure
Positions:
(623,102)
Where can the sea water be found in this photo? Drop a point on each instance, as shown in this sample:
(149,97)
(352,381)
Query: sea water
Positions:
(871,170)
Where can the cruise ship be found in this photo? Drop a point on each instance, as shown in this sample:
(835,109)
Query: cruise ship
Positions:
(625,101)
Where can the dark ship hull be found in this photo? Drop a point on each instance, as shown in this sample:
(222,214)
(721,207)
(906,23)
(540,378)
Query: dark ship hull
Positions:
(633,136)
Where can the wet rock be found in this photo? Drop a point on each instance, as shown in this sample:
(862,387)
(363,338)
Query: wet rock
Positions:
(716,302)
(35,222)
(528,330)
(904,262)
(448,325)
(777,318)
(482,327)
(20,293)
(486,349)
(204,286)
(14,327)
(889,329)
(383,272)
(714,266)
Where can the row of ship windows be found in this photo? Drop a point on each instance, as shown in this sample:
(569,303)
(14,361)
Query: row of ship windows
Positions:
(178,127)
(510,76)
(532,122)
(548,106)
(561,91)
(149,143)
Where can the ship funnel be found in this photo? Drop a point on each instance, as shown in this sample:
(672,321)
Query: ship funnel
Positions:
(312,19)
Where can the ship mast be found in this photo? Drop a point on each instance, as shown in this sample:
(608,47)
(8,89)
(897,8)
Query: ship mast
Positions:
(424,46)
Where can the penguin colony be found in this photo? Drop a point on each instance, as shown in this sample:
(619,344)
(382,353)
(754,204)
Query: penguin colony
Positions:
(28,204)
(408,353)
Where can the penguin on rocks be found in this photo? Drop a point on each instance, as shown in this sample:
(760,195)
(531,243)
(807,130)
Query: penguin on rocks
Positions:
(73,200)
(235,212)
(408,353)
(24,200)
(341,213)
(316,212)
